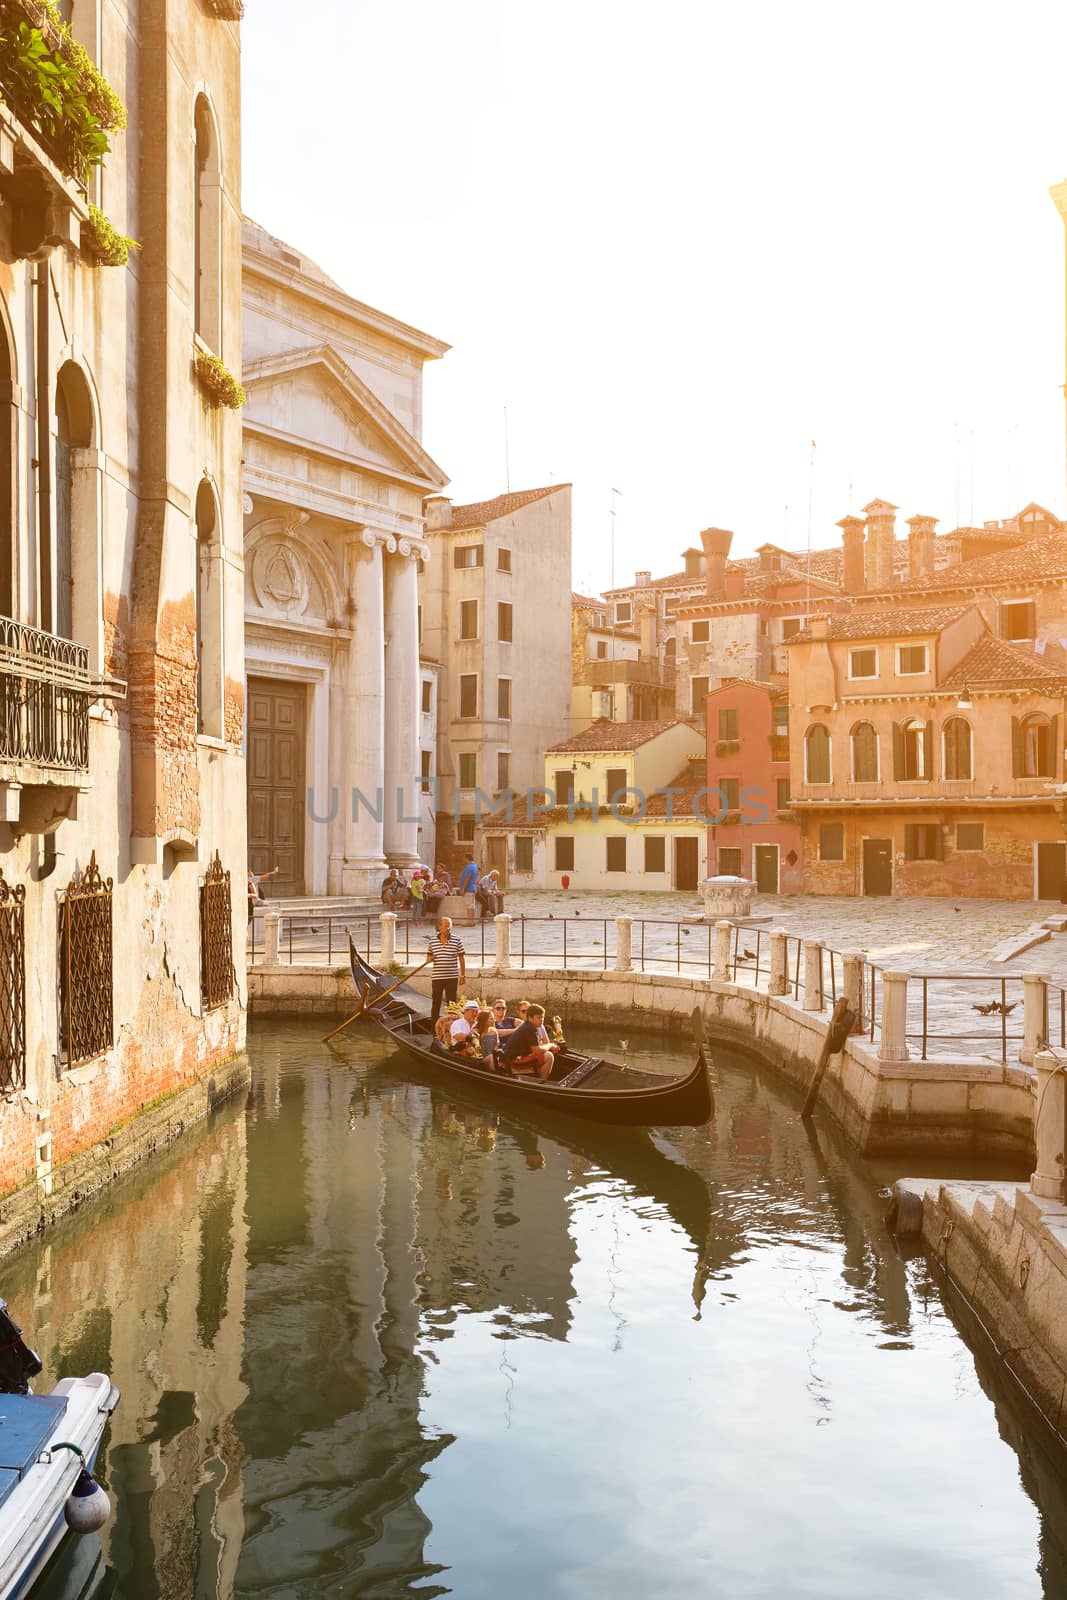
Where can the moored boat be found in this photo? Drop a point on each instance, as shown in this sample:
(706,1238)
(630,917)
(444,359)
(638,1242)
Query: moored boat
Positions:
(590,1087)
(48,1446)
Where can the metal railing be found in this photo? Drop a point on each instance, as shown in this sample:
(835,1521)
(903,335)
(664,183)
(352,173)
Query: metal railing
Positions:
(46,690)
(995,1005)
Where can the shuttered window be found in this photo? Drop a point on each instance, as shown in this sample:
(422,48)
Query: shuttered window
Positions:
(923,841)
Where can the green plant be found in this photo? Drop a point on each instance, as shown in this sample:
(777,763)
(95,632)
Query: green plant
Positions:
(218,382)
(110,247)
(396,969)
(53,86)
(726,747)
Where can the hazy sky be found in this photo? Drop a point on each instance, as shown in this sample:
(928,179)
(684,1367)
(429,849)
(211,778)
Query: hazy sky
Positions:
(681,242)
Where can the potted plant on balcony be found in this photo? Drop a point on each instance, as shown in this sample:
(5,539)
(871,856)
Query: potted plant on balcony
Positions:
(218,383)
(727,747)
(54,87)
(103,241)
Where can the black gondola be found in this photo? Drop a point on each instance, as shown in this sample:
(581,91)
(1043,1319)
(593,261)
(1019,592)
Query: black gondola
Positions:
(580,1085)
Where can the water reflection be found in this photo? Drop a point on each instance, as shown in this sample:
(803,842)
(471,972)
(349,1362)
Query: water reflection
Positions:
(373,1341)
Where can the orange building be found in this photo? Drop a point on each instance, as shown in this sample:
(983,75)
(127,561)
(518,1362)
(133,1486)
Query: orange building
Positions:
(927,754)
(748,764)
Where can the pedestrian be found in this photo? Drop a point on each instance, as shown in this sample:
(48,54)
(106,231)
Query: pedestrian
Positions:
(449,966)
(468,878)
(255,892)
(417,892)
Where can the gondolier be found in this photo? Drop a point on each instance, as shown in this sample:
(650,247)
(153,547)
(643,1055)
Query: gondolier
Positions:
(449,966)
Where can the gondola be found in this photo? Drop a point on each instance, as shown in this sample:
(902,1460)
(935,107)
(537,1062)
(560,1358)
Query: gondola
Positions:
(584,1086)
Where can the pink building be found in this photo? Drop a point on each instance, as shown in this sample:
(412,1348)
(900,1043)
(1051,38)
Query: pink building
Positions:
(748,763)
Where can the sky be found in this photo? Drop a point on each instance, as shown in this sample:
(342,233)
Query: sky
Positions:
(750,265)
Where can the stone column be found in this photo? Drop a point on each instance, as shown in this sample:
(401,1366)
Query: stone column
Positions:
(779,983)
(388,938)
(364,864)
(503,941)
(624,931)
(813,996)
(723,938)
(893,1042)
(1034,1016)
(272,930)
(852,962)
(402,704)
(1047,1178)
(336,764)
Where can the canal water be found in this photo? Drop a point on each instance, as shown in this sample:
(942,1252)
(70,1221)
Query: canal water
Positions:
(373,1341)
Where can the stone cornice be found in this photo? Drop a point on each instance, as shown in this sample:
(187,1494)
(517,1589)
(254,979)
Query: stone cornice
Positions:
(290,277)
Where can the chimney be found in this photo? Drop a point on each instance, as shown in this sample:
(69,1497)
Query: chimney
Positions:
(853,575)
(881,543)
(921,546)
(642,580)
(716,542)
(437,511)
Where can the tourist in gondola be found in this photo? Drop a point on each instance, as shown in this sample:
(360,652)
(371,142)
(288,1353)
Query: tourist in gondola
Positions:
(489,1039)
(461,1036)
(523,1052)
(449,966)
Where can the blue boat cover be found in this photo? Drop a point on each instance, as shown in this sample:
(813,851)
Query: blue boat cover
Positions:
(27,1422)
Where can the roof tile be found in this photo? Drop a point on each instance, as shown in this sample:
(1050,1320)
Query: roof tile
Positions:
(886,624)
(483,511)
(606,735)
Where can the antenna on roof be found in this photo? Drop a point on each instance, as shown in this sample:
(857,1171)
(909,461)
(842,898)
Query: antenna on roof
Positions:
(507,453)
(614,494)
(811,488)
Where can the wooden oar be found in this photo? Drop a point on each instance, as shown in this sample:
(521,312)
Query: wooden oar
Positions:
(841,1024)
(378,998)
(357,1013)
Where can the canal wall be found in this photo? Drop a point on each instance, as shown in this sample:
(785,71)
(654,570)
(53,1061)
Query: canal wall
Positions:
(107,1145)
(886,1102)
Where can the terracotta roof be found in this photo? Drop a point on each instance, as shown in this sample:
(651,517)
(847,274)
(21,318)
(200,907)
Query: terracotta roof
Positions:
(1043,558)
(483,511)
(606,735)
(994,662)
(584,599)
(692,778)
(886,624)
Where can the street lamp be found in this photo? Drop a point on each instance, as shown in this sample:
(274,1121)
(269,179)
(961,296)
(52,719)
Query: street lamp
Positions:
(964,701)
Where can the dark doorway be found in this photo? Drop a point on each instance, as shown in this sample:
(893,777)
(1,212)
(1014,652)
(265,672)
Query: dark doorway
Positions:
(686,863)
(878,866)
(276,784)
(1051,871)
(766,865)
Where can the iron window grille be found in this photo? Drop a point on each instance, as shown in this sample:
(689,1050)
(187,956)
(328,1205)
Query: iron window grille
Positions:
(86,966)
(12,986)
(216,936)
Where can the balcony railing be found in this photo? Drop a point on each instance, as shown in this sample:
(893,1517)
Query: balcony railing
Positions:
(46,690)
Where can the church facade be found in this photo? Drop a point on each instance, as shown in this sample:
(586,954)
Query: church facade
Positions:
(334,480)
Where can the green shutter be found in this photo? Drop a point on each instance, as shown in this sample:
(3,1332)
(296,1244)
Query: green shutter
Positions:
(939,841)
(909,839)
(928,751)
(1016,748)
(1054,747)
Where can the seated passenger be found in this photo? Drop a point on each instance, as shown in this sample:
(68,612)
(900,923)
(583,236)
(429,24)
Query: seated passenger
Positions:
(523,1051)
(488,1039)
(461,1034)
(507,1027)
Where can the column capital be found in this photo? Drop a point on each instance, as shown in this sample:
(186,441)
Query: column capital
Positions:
(372,538)
(412,549)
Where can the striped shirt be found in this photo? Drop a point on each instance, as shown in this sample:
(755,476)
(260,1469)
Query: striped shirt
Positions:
(446,954)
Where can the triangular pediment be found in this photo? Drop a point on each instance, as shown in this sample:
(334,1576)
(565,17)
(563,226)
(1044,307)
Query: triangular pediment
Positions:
(311,397)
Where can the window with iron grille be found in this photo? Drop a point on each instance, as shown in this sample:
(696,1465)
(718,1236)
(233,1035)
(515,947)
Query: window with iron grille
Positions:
(86,968)
(12,986)
(216,937)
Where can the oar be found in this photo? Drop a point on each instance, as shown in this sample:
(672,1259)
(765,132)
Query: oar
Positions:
(357,1013)
(378,998)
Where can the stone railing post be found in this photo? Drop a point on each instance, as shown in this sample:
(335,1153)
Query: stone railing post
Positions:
(813,996)
(272,932)
(503,941)
(893,1040)
(624,933)
(852,963)
(1035,1013)
(1047,1178)
(388,942)
(779,983)
(723,938)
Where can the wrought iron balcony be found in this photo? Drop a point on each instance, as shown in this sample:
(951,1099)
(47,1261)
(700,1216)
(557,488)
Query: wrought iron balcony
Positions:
(46,690)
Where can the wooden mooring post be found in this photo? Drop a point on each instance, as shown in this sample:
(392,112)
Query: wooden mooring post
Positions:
(841,1022)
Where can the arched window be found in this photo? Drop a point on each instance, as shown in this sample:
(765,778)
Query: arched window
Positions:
(1034,746)
(864,753)
(209,685)
(817,754)
(957,756)
(73,522)
(207,230)
(913,751)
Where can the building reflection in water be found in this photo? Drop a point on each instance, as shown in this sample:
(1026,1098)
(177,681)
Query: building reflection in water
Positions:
(279,1296)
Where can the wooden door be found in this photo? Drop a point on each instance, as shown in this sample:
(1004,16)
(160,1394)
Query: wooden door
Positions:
(276,783)
(686,863)
(496,853)
(878,866)
(766,864)
(1051,870)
